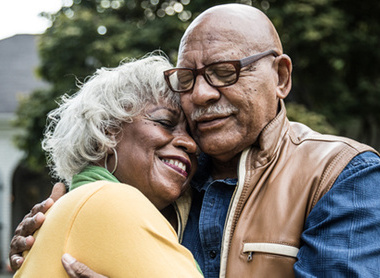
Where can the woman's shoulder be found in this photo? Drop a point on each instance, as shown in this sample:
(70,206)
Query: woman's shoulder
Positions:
(100,205)
(103,198)
(93,189)
(106,194)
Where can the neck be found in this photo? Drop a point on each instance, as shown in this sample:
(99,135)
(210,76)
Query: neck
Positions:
(225,169)
(170,215)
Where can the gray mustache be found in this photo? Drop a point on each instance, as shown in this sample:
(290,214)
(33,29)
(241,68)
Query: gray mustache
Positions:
(213,110)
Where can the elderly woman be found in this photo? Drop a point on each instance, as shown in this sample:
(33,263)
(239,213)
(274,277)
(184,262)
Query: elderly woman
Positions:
(121,143)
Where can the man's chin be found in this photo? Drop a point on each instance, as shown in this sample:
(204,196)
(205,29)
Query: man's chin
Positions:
(219,150)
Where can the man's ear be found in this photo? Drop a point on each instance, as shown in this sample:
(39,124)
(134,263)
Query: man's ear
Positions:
(284,71)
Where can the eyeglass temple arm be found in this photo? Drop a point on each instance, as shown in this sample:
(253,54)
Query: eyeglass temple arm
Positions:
(251,59)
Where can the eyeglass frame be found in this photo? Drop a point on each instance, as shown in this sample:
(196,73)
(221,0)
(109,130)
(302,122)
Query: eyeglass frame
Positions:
(238,65)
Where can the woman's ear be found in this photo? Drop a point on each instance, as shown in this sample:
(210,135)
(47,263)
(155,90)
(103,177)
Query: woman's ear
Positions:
(112,136)
(110,151)
(284,71)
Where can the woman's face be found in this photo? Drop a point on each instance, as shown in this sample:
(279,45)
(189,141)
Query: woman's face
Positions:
(156,154)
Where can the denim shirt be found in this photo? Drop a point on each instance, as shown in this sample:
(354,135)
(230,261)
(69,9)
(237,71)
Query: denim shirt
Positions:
(341,236)
(209,207)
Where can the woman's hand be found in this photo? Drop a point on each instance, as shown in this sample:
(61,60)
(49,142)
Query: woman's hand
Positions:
(76,269)
(23,239)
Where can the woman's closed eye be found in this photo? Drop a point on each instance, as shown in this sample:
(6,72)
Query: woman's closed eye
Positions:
(166,123)
(167,118)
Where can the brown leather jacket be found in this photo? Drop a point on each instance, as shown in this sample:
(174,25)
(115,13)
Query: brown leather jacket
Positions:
(280,181)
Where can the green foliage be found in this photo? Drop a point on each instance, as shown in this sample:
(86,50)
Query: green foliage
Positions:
(333,44)
(31,116)
(334,48)
(318,122)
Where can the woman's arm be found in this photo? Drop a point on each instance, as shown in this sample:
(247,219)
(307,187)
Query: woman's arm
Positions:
(23,237)
(114,230)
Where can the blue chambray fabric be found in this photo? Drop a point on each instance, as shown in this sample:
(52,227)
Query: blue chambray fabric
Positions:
(342,233)
(353,201)
(204,239)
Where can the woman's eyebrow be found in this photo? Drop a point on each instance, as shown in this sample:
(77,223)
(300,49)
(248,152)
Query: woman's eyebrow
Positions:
(157,108)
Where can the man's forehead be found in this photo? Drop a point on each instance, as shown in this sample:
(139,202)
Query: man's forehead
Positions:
(209,50)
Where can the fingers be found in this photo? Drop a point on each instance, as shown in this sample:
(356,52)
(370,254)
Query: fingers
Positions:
(34,219)
(18,245)
(29,225)
(41,207)
(22,239)
(76,269)
(15,261)
(58,191)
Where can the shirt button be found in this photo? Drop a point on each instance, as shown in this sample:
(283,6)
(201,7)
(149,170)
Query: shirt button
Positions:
(212,254)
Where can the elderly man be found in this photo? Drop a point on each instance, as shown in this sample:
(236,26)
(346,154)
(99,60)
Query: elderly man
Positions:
(271,198)
(283,169)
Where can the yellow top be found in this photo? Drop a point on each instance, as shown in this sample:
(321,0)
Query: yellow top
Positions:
(112,228)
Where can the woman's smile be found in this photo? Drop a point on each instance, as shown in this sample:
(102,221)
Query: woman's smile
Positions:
(156,154)
(180,164)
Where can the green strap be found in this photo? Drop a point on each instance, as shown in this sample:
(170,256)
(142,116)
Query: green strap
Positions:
(198,267)
(91,174)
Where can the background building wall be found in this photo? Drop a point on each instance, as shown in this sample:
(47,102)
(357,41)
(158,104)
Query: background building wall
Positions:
(19,59)
(9,159)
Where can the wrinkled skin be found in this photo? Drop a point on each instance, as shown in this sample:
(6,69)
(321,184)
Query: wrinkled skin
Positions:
(157,141)
(230,32)
(233,32)
(150,142)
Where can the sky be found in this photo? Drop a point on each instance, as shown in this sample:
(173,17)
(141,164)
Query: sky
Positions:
(21,16)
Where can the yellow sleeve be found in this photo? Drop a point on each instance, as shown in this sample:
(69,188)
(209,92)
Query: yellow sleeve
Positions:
(113,229)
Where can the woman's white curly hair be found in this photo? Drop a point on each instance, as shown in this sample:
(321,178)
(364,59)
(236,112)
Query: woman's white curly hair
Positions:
(83,127)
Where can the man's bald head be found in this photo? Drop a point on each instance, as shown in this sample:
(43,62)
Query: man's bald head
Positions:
(222,34)
(243,25)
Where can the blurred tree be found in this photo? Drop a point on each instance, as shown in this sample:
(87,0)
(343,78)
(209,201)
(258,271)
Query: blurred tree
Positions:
(334,47)
(328,40)
(299,113)
(89,34)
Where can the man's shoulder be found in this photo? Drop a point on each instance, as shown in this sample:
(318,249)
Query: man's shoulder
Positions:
(303,135)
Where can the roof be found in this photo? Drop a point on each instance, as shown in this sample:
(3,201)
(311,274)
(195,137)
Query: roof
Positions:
(18,62)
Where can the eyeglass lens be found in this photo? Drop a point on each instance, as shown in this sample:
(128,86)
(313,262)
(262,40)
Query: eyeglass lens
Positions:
(181,79)
(221,74)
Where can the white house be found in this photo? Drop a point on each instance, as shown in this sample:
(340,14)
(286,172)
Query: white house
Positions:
(18,61)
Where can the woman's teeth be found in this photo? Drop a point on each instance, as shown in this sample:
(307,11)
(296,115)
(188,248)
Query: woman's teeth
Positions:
(176,163)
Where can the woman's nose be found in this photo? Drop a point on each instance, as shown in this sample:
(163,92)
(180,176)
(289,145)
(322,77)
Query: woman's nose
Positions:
(184,141)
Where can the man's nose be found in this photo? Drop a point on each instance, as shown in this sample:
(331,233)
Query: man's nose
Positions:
(203,93)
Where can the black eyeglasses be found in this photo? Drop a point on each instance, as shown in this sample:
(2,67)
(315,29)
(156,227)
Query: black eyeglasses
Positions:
(219,74)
